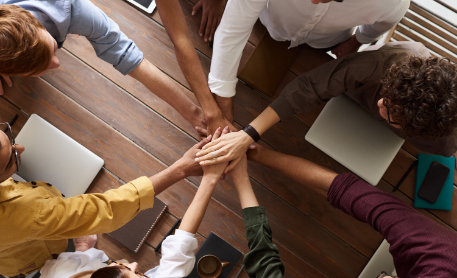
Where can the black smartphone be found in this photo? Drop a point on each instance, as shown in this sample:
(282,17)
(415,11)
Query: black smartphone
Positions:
(433,182)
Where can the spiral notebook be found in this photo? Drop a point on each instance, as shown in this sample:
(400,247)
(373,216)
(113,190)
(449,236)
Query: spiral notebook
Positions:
(135,232)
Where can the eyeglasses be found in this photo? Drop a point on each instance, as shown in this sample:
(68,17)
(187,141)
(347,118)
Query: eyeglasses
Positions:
(384,274)
(388,118)
(136,272)
(13,144)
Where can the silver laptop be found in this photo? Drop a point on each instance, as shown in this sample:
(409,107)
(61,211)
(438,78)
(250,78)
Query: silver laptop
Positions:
(381,260)
(353,137)
(52,156)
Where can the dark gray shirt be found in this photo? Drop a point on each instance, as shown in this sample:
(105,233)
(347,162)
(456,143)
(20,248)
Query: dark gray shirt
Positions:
(357,75)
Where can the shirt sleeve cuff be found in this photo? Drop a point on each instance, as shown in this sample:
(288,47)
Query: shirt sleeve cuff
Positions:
(254,216)
(179,232)
(130,61)
(145,191)
(363,39)
(282,108)
(222,88)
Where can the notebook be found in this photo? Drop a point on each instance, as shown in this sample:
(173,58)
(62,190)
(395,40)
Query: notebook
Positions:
(444,201)
(353,137)
(214,245)
(134,233)
(54,157)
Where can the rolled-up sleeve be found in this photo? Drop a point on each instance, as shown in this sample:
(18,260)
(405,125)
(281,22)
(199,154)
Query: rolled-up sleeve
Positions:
(229,41)
(263,259)
(109,43)
(97,213)
(373,32)
(178,258)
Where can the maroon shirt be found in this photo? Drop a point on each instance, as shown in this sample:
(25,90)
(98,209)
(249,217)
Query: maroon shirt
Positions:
(419,246)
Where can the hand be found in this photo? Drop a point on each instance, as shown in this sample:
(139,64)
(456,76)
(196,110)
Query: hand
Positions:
(8,82)
(187,163)
(216,170)
(84,243)
(230,147)
(211,17)
(347,47)
(240,172)
(198,121)
(218,121)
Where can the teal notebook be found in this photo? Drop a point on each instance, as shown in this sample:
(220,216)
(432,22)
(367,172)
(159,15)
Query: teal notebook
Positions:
(444,201)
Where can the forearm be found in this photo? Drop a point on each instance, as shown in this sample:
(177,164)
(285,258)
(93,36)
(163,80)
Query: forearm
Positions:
(245,192)
(167,177)
(301,170)
(164,87)
(226,106)
(265,120)
(174,22)
(194,214)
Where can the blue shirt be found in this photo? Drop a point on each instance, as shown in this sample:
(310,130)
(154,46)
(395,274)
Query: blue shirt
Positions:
(82,17)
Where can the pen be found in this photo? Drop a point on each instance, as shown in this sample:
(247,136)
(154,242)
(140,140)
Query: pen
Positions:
(169,233)
(405,175)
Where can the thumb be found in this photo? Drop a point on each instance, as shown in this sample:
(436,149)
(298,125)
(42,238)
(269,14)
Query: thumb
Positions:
(203,142)
(197,7)
(232,165)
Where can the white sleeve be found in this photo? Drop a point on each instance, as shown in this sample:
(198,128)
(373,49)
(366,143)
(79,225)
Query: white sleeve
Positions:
(229,41)
(70,263)
(178,258)
(373,32)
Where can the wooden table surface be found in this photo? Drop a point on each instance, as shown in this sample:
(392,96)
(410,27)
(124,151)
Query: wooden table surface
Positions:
(137,134)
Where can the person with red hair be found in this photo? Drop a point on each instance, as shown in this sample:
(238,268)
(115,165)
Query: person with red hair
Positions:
(31,32)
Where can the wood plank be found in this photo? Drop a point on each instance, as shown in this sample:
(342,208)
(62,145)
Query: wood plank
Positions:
(80,47)
(95,99)
(35,96)
(81,93)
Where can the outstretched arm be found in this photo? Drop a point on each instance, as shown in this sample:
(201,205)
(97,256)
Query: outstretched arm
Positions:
(105,212)
(301,170)
(263,259)
(176,27)
(194,214)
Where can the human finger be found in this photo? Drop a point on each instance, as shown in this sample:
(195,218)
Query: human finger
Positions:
(252,146)
(232,165)
(225,131)
(212,155)
(202,132)
(213,28)
(208,27)
(203,23)
(203,142)
(218,160)
(197,7)
(8,80)
(217,133)
(212,143)
(206,151)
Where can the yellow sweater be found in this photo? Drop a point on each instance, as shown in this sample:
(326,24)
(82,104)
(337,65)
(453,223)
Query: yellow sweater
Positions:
(36,220)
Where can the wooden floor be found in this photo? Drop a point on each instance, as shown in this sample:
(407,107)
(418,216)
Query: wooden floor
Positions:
(138,134)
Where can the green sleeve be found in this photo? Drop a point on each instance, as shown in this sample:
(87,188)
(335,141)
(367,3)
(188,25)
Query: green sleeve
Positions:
(262,261)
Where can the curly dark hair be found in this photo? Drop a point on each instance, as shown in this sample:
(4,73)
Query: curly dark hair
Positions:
(421,95)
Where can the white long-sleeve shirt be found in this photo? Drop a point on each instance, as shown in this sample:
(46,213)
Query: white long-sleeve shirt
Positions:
(298,21)
(178,259)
